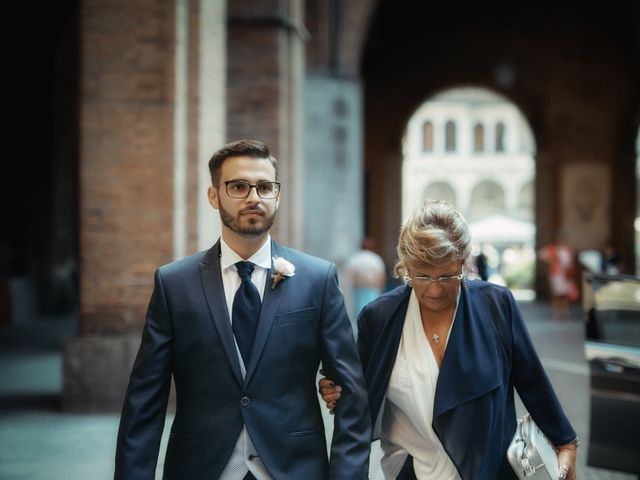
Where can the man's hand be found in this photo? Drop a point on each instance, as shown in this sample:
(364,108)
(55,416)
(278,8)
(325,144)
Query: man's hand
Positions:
(330,391)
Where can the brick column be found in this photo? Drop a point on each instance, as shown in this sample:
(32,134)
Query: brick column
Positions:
(141,113)
(264,93)
(126,165)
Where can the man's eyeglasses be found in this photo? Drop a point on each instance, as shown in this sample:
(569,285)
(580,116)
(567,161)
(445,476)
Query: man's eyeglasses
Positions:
(242,188)
(444,280)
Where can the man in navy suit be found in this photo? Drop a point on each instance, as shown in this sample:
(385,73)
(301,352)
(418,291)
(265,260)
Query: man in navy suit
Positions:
(245,409)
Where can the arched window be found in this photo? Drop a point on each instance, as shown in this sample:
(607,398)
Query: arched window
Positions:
(500,137)
(525,201)
(487,197)
(478,138)
(450,136)
(427,137)
(439,191)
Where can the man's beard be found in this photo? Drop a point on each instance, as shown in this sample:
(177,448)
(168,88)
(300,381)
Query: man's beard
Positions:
(254,228)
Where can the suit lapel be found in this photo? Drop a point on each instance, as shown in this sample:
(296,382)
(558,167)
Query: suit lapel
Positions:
(270,302)
(214,293)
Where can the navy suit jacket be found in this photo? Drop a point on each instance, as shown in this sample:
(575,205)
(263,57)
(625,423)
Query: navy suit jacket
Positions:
(488,354)
(188,335)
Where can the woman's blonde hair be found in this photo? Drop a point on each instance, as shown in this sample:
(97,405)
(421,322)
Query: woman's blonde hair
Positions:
(434,235)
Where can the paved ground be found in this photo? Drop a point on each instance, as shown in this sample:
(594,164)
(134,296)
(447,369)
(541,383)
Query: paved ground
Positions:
(40,442)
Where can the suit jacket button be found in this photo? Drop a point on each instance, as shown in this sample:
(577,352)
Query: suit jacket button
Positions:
(244,401)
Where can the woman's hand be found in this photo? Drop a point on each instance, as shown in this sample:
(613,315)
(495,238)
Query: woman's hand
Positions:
(330,391)
(567,461)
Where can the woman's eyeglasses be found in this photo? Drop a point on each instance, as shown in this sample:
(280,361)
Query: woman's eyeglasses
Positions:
(443,280)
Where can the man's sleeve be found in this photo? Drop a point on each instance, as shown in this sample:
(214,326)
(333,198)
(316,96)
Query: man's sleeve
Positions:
(351,444)
(145,404)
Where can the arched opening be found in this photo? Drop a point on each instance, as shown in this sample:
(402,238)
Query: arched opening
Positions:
(526,203)
(427,141)
(441,190)
(575,129)
(487,198)
(450,136)
(493,188)
(500,134)
(478,138)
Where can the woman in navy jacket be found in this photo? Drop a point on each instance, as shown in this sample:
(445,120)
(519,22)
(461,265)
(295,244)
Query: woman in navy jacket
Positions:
(442,356)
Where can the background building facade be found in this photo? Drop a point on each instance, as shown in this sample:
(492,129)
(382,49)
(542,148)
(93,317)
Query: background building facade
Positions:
(473,149)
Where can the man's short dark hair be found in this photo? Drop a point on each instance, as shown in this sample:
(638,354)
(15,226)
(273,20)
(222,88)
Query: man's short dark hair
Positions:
(240,148)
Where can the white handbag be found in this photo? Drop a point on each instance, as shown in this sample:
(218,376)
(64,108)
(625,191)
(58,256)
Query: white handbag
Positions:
(531,454)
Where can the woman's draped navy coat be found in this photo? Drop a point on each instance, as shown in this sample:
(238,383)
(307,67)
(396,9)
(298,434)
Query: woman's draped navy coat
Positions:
(488,354)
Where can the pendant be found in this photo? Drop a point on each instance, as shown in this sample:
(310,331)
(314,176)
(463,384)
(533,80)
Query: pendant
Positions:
(436,337)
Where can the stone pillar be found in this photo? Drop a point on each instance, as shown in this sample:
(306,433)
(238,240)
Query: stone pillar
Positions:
(546,213)
(333,167)
(264,94)
(142,118)
(383,178)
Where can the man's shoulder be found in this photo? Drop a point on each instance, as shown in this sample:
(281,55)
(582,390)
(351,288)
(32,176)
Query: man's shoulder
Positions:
(183,264)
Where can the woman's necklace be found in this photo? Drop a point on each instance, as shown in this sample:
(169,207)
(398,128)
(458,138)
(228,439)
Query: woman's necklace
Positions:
(441,320)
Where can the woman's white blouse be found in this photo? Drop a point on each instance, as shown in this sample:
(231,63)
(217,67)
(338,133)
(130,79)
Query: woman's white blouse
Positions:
(408,409)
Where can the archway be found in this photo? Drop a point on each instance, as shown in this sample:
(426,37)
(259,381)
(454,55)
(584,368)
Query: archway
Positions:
(405,63)
(441,190)
(473,148)
(487,198)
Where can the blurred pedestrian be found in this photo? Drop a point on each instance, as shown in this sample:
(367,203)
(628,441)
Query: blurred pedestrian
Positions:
(482,265)
(612,263)
(366,277)
(559,257)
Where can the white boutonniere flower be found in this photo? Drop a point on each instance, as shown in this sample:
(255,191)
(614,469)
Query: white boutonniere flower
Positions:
(284,268)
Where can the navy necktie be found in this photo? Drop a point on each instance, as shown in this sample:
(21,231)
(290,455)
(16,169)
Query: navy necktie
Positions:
(246,310)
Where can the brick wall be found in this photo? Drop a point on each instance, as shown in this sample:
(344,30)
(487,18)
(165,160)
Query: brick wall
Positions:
(125,159)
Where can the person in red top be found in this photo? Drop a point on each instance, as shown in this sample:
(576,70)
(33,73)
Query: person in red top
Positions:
(559,256)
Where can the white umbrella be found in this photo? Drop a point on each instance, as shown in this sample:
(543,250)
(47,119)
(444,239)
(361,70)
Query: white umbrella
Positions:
(502,229)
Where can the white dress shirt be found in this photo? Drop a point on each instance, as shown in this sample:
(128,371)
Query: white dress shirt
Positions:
(408,410)
(244,457)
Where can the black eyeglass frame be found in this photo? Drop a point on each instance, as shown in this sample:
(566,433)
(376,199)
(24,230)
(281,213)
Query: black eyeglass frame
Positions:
(253,185)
